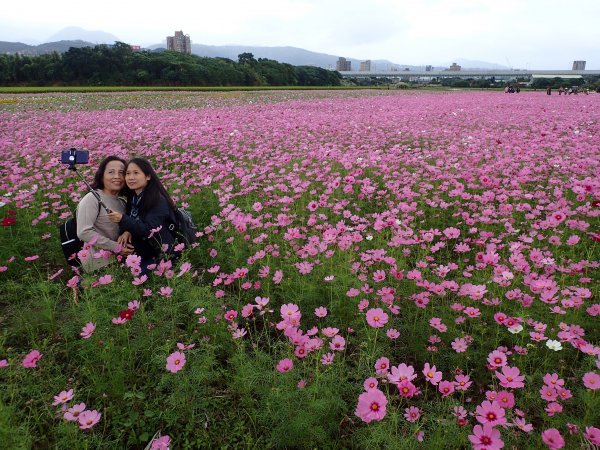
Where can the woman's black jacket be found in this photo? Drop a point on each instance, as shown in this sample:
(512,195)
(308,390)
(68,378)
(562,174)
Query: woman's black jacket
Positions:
(140,228)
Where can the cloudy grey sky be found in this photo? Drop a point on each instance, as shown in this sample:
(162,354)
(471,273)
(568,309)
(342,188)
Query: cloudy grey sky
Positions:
(526,34)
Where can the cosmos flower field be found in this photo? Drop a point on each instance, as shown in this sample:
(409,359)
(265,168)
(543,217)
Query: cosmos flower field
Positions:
(373,269)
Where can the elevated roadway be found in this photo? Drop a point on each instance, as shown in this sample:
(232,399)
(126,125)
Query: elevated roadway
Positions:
(504,74)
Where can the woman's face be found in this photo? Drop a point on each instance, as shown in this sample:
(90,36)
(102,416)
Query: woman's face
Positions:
(114,177)
(135,178)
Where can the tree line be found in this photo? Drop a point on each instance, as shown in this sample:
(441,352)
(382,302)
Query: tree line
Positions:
(119,65)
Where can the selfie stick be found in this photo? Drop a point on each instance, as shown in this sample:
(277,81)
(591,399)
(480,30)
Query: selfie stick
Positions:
(74,169)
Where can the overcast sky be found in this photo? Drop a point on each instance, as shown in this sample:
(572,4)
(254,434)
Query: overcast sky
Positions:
(526,34)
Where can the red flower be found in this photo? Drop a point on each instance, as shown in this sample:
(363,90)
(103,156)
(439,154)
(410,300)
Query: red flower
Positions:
(126,314)
(12,212)
(8,221)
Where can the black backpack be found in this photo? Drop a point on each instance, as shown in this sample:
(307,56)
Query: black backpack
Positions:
(69,241)
(184,230)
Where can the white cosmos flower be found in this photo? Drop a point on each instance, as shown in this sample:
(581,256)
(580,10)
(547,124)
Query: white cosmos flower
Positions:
(553,345)
(516,329)
(369,238)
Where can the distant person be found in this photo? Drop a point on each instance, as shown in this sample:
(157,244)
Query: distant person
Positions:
(548,90)
(518,89)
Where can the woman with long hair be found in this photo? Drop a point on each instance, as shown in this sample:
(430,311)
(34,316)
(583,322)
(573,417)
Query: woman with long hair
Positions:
(149,213)
(94,226)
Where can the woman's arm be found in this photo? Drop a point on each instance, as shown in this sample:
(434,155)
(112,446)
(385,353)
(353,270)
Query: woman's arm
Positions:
(141,228)
(87,213)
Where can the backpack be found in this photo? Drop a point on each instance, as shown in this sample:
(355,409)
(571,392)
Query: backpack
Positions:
(69,241)
(184,230)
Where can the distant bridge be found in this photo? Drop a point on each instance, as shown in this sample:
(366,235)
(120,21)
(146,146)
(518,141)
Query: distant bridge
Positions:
(502,74)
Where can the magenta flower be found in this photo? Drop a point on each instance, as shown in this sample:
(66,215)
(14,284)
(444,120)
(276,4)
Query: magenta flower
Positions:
(591,380)
(87,330)
(402,372)
(486,437)
(321,311)
(553,439)
(592,434)
(166,291)
(382,366)
(462,382)
(175,362)
(412,414)
(338,343)
(371,406)
(63,397)
(406,389)
(510,377)
(446,388)
(431,374)
(72,413)
(376,317)
(3,363)
(87,419)
(285,365)
(497,359)
(31,359)
(370,383)
(161,443)
(490,412)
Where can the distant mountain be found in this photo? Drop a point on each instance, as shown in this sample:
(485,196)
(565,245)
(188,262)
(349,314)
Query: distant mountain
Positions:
(49,47)
(290,55)
(473,64)
(76,34)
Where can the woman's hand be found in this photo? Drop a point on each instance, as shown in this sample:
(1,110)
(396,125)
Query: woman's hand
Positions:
(115,217)
(124,239)
(125,242)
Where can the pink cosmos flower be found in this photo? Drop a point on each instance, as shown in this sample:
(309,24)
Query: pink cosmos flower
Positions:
(327,359)
(321,311)
(285,365)
(592,434)
(370,383)
(486,437)
(446,388)
(490,412)
(87,330)
(376,317)
(496,359)
(72,414)
(3,363)
(553,439)
(505,399)
(382,366)
(553,408)
(338,343)
(63,397)
(31,359)
(510,377)
(431,374)
(87,419)
(161,443)
(371,406)
(392,333)
(406,389)
(175,362)
(462,382)
(166,291)
(591,380)
(412,414)
(522,424)
(402,372)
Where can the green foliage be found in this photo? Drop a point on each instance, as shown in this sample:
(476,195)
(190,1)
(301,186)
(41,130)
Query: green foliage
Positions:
(104,65)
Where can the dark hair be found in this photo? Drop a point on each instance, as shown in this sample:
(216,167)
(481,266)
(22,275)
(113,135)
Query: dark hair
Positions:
(98,182)
(153,191)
